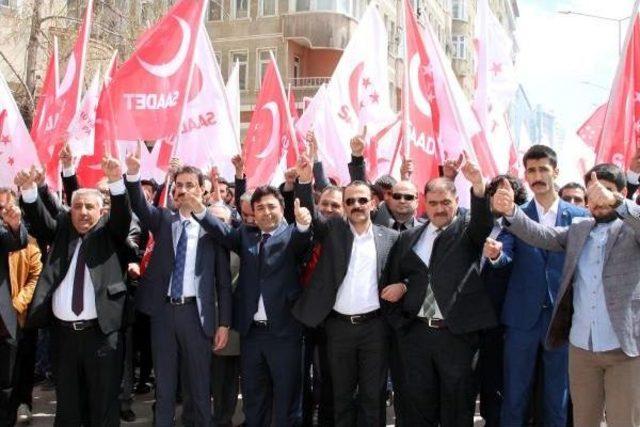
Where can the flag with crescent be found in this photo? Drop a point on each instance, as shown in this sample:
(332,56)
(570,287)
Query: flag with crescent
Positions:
(148,93)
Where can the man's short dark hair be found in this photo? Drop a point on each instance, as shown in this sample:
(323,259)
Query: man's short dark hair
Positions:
(519,192)
(539,151)
(377,191)
(440,183)
(151,183)
(221,180)
(266,190)
(572,186)
(386,182)
(607,172)
(331,188)
(190,170)
(358,183)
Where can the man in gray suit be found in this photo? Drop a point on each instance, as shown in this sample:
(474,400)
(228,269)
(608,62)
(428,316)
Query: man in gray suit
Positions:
(598,305)
(347,290)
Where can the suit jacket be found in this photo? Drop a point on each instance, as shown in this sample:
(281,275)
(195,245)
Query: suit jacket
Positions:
(101,243)
(496,277)
(25,266)
(620,272)
(9,242)
(453,272)
(277,280)
(532,267)
(212,275)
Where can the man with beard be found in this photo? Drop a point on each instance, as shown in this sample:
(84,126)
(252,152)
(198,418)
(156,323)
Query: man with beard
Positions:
(531,293)
(597,310)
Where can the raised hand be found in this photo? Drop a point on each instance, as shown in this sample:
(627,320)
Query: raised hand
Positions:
(133,160)
(39,175)
(238,164)
(313,145)
(406,169)
(304,169)
(302,214)
(214,195)
(111,168)
(451,167)
(192,203)
(12,216)
(66,157)
(492,249)
(472,173)
(24,179)
(175,164)
(598,194)
(357,143)
(502,201)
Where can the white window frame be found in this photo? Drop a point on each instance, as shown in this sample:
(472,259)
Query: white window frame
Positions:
(235,11)
(6,6)
(259,63)
(221,3)
(261,8)
(462,10)
(246,68)
(458,41)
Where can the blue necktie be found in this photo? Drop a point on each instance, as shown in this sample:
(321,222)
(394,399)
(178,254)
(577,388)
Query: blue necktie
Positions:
(177,277)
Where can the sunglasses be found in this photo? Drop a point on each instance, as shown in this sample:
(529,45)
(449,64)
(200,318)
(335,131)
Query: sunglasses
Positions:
(406,197)
(352,201)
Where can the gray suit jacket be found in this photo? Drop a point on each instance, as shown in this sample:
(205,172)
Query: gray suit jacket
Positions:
(620,274)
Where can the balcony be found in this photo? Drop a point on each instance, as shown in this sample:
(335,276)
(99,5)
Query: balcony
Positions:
(308,82)
(319,29)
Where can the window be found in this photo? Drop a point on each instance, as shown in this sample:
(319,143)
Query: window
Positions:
(303,5)
(240,9)
(268,7)
(459,10)
(459,47)
(297,67)
(5,3)
(215,10)
(264,58)
(241,58)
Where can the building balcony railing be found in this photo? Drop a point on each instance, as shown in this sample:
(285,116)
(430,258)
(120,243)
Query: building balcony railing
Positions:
(308,82)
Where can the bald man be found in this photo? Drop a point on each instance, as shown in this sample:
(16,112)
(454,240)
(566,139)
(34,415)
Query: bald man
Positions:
(402,205)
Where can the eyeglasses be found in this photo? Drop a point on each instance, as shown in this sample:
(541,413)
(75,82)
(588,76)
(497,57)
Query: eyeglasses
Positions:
(352,201)
(406,197)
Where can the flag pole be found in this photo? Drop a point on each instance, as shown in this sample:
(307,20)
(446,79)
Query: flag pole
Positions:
(292,131)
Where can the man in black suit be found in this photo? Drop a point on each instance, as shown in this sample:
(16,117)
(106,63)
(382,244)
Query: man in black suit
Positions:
(81,291)
(445,304)
(13,237)
(186,291)
(346,290)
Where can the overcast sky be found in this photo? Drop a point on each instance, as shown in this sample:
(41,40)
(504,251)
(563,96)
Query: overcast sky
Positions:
(567,62)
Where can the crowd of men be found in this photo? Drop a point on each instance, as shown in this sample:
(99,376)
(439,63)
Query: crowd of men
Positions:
(323,304)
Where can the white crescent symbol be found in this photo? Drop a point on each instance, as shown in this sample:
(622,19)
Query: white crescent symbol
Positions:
(422,103)
(69,76)
(169,68)
(274,138)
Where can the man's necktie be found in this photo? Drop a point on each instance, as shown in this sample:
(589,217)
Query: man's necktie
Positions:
(77,297)
(177,277)
(429,304)
(263,242)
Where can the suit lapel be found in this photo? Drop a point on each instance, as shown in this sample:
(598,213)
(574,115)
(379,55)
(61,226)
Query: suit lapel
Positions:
(381,250)
(413,243)
(531,211)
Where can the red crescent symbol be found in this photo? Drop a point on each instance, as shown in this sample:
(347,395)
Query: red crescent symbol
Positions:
(354,87)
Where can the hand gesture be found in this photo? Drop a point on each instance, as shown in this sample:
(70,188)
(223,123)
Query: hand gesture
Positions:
(66,157)
(302,214)
(111,168)
(313,145)
(492,249)
(406,169)
(12,216)
(214,196)
(192,203)
(502,202)
(133,270)
(304,169)
(133,160)
(39,175)
(472,173)
(238,163)
(451,167)
(24,179)
(394,292)
(598,194)
(221,338)
(174,164)
(357,144)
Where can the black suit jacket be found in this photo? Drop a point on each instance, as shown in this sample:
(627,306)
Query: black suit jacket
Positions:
(453,272)
(336,238)
(102,243)
(9,242)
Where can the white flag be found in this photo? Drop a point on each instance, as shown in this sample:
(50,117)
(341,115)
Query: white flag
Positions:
(83,126)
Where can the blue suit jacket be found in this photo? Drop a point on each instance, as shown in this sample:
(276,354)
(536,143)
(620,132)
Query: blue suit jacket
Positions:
(278,280)
(213,275)
(535,273)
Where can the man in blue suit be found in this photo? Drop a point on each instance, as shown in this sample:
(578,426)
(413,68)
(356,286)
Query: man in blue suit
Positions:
(528,305)
(268,284)
(186,291)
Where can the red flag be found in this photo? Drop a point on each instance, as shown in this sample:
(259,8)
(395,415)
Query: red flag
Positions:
(43,119)
(148,93)
(590,131)
(420,113)
(621,128)
(270,129)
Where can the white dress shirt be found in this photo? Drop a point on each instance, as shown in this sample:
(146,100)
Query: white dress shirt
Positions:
(358,292)
(549,217)
(189,278)
(423,248)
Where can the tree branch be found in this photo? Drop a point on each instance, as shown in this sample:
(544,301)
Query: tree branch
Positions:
(22,82)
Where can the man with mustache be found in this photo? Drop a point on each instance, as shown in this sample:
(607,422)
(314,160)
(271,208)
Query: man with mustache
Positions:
(528,304)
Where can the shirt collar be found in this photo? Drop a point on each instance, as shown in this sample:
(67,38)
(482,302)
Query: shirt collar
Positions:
(432,228)
(367,233)
(553,209)
(279,229)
